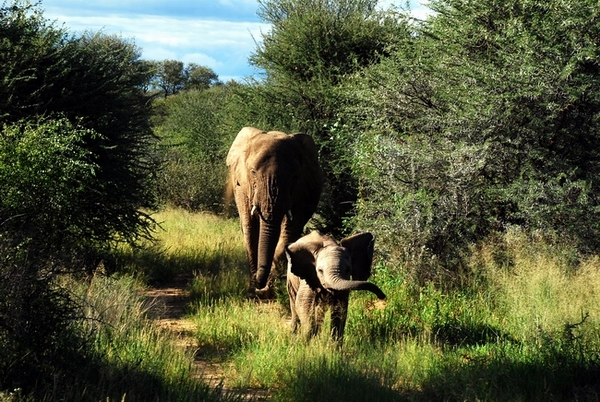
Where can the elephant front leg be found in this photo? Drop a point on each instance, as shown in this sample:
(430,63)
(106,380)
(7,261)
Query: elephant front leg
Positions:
(339,314)
(250,229)
(306,306)
(319,317)
(292,287)
(251,239)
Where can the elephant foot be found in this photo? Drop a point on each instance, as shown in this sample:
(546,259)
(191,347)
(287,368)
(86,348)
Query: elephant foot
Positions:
(261,294)
(265,293)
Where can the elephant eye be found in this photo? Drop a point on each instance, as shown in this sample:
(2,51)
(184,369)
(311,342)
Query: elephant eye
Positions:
(253,172)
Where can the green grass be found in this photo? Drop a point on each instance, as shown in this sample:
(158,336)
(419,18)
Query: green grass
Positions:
(129,358)
(186,244)
(526,328)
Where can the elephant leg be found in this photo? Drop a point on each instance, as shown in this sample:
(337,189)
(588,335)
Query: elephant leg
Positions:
(339,313)
(292,292)
(279,265)
(250,229)
(288,235)
(319,317)
(251,239)
(306,304)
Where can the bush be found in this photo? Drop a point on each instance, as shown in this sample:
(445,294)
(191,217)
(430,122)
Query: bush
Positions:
(45,175)
(194,144)
(38,340)
(192,182)
(75,169)
(96,82)
(485,119)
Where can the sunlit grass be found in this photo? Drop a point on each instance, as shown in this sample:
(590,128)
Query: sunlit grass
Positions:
(525,328)
(542,290)
(186,243)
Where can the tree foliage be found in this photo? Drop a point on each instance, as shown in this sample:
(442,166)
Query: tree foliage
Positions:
(314,46)
(486,118)
(172,76)
(76,167)
(194,144)
(95,82)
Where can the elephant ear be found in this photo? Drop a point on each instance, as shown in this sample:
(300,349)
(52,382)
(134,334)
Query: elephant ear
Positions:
(307,143)
(301,258)
(310,156)
(311,181)
(360,246)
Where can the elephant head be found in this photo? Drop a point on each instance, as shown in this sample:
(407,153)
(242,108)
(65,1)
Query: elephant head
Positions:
(321,274)
(277,182)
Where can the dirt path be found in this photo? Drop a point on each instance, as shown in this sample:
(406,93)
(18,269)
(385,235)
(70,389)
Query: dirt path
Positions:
(169,303)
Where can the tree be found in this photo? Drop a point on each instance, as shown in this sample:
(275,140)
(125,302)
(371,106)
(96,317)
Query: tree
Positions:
(96,82)
(200,77)
(487,118)
(314,46)
(76,168)
(173,76)
(170,77)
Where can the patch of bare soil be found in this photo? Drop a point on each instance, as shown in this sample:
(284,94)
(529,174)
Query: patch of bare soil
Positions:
(168,304)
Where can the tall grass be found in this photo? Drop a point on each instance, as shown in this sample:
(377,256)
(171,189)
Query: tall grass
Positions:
(185,243)
(544,290)
(525,326)
(526,329)
(123,355)
(128,357)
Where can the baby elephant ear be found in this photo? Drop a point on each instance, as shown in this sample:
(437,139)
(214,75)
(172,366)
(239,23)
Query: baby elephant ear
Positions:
(360,246)
(301,260)
(301,256)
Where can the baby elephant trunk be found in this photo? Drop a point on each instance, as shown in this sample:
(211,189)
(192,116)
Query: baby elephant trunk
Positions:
(342,284)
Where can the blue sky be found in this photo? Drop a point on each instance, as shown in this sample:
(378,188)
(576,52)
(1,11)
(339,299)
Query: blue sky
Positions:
(219,34)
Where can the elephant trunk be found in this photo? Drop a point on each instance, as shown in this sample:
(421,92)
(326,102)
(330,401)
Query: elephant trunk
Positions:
(267,243)
(344,284)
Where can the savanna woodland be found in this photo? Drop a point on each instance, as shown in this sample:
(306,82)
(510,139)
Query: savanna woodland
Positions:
(468,143)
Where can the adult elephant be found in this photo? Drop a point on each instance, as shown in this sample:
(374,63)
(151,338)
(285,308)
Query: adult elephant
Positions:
(321,274)
(277,182)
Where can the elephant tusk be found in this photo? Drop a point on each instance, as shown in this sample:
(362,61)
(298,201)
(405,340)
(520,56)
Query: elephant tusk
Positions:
(253,210)
(289,215)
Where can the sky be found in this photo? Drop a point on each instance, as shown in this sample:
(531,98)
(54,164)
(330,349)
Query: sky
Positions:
(220,34)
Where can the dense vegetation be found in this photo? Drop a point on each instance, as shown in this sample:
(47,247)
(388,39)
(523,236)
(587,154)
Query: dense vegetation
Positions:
(456,140)
(76,165)
(434,134)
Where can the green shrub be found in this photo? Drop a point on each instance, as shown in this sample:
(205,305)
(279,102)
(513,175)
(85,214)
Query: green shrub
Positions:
(485,118)
(193,147)
(75,169)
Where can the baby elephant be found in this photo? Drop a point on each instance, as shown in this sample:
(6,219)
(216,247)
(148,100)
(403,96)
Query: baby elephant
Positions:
(321,273)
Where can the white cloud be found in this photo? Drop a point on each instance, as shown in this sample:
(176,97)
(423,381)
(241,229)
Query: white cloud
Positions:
(219,34)
(159,53)
(201,59)
(194,33)
(221,45)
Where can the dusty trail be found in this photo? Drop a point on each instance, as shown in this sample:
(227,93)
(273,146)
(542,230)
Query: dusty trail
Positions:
(169,303)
